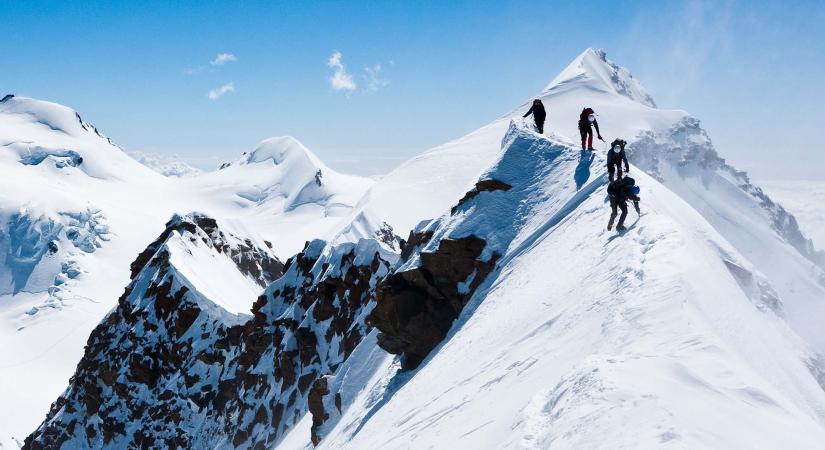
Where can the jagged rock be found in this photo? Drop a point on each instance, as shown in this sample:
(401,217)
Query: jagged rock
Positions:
(315,402)
(178,374)
(387,236)
(416,307)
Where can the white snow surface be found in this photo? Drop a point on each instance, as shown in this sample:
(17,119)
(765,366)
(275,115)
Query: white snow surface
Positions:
(668,144)
(66,184)
(806,200)
(655,338)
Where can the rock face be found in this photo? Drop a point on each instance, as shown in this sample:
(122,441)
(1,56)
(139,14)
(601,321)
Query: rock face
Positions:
(416,307)
(169,369)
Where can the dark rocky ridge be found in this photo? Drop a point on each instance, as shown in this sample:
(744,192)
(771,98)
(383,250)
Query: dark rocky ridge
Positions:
(417,307)
(162,371)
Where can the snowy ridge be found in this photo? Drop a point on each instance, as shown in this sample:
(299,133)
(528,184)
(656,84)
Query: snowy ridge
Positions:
(594,69)
(171,367)
(670,145)
(82,209)
(585,339)
(133,358)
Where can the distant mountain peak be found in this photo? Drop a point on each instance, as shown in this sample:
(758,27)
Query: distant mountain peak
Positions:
(281,150)
(592,68)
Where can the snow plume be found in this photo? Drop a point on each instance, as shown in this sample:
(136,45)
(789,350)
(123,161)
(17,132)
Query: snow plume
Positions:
(219,92)
(374,79)
(340,80)
(683,53)
(223,58)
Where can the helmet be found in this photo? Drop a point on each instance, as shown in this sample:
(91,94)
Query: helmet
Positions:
(591,118)
(616,148)
(537,101)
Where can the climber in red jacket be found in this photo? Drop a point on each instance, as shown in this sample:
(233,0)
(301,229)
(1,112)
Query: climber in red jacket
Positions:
(587,121)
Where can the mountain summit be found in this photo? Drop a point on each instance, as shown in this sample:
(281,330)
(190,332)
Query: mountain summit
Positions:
(593,70)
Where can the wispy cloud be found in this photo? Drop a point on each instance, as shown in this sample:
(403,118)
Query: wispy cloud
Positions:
(223,58)
(343,81)
(219,60)
(374,78)
(219,92)
(340,80)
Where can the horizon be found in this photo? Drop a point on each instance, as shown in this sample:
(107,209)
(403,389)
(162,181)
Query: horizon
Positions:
(364,105)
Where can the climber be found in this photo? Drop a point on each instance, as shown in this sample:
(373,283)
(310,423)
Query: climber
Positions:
(619,192)
(587,120)
(615,157)
(539,114)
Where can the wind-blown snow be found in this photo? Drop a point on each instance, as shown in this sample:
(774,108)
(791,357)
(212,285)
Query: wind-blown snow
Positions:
(806,200)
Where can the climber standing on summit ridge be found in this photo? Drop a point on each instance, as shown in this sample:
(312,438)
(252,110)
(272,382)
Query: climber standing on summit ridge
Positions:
(615,157)
(539,114)
(587,121)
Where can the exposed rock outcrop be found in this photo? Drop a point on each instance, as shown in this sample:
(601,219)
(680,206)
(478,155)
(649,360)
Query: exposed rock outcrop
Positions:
(416,307)
(169,369)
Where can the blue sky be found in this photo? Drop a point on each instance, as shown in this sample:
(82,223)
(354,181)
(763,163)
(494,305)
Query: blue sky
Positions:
(424,72)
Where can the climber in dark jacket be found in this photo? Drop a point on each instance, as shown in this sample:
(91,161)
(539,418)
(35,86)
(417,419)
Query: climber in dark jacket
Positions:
(620,191)
(587,121)
(539,114)
(615,157)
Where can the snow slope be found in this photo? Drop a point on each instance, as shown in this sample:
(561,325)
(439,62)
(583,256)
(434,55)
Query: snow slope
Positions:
(668,144)
(76,210)
(806,200)
(662,337)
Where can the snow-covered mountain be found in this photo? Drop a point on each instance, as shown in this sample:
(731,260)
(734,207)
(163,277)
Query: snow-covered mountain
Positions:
(507,317)
(664,336)
(77,210)
(171,367)
(668,144)
(805,200)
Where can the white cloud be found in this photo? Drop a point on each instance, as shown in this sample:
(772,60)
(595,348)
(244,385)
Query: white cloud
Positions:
(340,79)
(374,79)
(223,58)
(219,60)
(219,92)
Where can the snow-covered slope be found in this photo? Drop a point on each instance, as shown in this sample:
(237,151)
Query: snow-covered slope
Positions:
(282,190)
(668,144)
(806,201)
(76,210)
(662,337)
